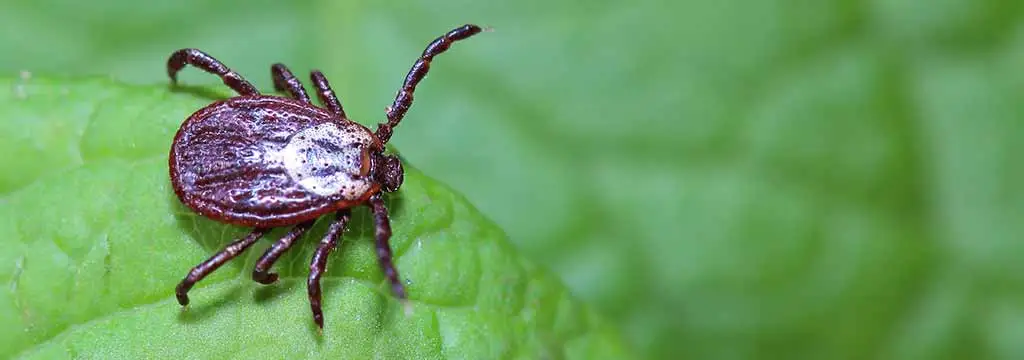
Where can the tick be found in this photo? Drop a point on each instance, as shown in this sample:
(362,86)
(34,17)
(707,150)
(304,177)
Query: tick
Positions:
(263,162)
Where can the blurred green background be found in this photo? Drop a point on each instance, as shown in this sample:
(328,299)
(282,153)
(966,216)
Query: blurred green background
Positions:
(724,179)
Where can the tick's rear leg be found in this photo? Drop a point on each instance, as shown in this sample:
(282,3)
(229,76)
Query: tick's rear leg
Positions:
(207,63)
(210,265)
(383,235)
(284,80)
(319,263)
(261,273)
(326,94)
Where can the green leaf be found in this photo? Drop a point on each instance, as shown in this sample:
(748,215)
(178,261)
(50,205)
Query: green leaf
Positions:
(94,242)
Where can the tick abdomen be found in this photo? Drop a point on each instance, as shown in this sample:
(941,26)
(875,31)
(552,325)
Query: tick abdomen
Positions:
(251,159)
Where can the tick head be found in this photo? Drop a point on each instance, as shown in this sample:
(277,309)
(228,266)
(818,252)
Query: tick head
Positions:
(388,172)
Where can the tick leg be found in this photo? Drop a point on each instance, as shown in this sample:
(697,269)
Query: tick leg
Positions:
(284,80)
(207,63)
(383,235)
(210,265)
(261,272)
(326,94)
(403,100)
(319,263)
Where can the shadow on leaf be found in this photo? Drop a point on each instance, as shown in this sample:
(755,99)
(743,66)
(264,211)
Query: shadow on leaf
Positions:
(204,92)
(272,292)
(195,312)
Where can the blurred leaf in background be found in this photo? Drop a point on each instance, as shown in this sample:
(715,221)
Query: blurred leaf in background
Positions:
(726,179)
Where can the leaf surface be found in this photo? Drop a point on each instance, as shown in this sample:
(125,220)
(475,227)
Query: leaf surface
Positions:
(95,241)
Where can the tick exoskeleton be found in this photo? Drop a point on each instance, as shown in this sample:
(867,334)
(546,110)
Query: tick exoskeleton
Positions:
(266,161)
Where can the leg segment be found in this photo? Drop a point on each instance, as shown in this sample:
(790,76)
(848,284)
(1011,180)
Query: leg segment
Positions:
(284,80)
(419,70)
(261,272)
(326,94)
(211,264)
(319,263)
(383,234)
(207,63)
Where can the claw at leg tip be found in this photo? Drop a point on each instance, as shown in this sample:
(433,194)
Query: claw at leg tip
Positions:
(265,278)
(319,320)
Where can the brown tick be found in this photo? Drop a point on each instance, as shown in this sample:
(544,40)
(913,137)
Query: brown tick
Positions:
(265,161)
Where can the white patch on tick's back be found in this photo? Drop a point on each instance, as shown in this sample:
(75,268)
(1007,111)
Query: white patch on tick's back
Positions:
(326,160)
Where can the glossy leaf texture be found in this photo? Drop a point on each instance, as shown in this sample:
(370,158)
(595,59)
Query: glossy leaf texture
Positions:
(94,242)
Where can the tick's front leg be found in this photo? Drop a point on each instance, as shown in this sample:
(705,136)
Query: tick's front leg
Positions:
(403,100)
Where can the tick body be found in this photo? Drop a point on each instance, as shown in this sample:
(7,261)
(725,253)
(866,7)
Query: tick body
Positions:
(264,162)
